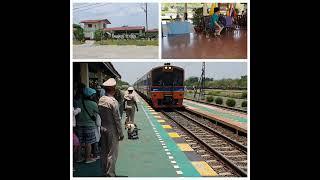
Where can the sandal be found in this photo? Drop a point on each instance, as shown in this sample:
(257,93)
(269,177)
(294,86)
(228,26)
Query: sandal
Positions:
(90,161)
(80,160)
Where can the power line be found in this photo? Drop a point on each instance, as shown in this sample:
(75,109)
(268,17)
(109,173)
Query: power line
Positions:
(90,8)
(85,5)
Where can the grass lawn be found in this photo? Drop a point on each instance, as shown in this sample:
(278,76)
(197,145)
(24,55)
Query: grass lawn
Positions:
(128,42)
(236,94)
(239,101)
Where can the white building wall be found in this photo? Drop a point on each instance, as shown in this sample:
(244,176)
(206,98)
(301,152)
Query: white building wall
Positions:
(89,32)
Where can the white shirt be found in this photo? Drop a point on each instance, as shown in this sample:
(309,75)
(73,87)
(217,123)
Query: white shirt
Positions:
(75,112)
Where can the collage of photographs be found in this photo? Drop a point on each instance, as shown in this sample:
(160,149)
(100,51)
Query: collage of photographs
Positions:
(159,89)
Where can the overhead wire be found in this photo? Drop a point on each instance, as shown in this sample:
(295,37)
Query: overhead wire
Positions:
(89,8)
(84,5)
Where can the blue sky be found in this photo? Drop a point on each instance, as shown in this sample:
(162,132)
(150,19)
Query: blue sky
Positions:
(118,14)
(130,71)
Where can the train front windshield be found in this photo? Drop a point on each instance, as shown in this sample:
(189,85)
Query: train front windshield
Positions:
(161,78)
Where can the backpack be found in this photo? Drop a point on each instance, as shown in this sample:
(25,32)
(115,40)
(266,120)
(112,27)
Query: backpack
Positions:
(126,106)
(133,134)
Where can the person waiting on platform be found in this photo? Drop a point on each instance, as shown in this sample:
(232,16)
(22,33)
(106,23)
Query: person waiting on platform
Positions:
(111,131)
(76,143)
(86,124)
(101,91)
(214,22)
(130,106)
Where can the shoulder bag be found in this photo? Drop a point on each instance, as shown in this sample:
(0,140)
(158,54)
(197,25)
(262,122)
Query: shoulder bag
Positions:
(85,108)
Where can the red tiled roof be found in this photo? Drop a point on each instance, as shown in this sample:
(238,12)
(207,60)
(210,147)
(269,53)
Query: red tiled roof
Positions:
(96,21)
(128,28)
(152,30)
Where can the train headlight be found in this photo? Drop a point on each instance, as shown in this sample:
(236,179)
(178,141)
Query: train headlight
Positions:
(166,67)
(169,67)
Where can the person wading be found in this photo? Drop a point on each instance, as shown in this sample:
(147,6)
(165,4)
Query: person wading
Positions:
(111,132)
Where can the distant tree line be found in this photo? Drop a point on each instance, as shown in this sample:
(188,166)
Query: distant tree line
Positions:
(210,83)
(122,85)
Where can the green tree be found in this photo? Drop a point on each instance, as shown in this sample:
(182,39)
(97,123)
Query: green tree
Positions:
(197,16)
(191,81)
(78,32)
(120,82)
(98,35)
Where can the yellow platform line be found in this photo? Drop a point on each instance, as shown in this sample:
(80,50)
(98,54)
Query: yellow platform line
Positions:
(174,135)
(157,117)
(203,168)
(166,126)
(161,120)
(184,147)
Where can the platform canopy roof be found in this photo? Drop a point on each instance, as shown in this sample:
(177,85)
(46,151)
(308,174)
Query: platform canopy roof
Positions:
(106,67)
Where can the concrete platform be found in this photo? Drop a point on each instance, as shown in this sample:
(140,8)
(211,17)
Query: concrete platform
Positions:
(159,152)
(230,118)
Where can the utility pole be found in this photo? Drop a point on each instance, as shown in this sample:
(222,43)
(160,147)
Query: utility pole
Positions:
(146,11)
(201,84)
(146,16)
(203,79)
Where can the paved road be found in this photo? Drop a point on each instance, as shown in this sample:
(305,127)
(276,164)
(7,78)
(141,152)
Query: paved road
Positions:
(91,51)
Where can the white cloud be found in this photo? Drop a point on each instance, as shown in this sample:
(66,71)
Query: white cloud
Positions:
(124,13)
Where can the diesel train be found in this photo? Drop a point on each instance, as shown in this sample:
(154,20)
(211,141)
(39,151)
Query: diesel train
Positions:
(162,86)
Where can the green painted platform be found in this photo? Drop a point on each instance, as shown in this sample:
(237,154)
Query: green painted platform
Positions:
(145,157)
(222,114)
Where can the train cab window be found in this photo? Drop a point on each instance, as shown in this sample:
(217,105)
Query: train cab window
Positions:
(160,78)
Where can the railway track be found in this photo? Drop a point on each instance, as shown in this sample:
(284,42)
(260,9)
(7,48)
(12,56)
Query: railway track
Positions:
(220,130)
(225,155)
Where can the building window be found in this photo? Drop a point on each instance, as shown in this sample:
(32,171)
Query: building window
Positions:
(104,25)
(89,25)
